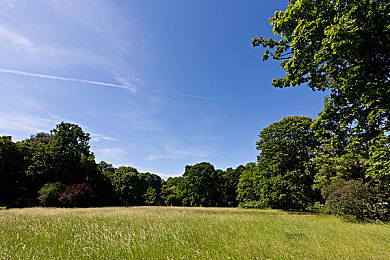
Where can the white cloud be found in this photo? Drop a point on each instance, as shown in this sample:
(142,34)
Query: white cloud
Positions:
(100,137)
(102,18)
(110,153)
(15,39)
(129,84)
(25,123)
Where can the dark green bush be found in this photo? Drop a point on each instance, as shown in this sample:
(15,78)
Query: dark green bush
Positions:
(49,194)
(359,200)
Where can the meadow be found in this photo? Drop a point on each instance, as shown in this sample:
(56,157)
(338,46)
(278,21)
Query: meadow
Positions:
(185,233)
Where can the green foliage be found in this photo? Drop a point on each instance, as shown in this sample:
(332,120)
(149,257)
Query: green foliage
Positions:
(232,178)
(151,196)
(379,169)
(245,188)
(41,137)
(62,156)
(69,155)
(131,187)
(127,185)
(204,186)
(65,158)
(13,181)
(49,194)
(337,164)
(285,172)
(334,44)
(172,191)
(340,46)
(359,200)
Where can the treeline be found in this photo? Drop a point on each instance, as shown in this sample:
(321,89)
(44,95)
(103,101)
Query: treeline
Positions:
(58,169)
(298,168)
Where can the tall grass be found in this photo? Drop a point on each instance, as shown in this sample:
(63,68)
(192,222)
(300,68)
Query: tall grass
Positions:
(185,233)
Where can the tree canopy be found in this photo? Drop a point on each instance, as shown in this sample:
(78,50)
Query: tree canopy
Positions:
(285,173)
(340,45)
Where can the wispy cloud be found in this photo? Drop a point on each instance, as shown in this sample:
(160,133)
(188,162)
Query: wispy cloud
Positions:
(187,95)
(15,39)
(142,121)
(45,76)
(171,152)
(25,123)
(127,83)
(100,137)
(110,154)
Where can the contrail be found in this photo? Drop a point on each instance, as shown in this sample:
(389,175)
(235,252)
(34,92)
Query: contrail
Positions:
(44,76)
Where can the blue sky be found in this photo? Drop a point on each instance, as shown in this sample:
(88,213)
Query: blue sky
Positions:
(180,81)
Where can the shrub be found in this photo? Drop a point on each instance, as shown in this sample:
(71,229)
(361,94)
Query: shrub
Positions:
(77,195)
(252,204)
(49,194)
(359,200)
(316,207)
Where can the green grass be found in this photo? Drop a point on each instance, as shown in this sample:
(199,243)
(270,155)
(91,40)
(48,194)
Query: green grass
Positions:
(185,233)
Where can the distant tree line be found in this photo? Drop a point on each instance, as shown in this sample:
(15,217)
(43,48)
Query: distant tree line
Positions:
(58,169)
(296,169)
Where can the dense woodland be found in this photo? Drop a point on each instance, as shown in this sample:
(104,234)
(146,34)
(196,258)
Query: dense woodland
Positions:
(338,162)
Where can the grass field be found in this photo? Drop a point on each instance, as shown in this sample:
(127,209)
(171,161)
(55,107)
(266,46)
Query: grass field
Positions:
(185,233)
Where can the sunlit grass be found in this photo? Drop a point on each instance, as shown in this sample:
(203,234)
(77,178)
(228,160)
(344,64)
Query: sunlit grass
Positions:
(185,233)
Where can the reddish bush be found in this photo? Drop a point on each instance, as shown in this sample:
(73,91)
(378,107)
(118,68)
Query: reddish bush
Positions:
(77,195)
(354,198)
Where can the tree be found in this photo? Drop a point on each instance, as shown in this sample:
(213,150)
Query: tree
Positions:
(285,173)
(172,191)
(106,168)
(379,169)
(151,196)
(61,156)
(70,137)
(232,178)
(65,158)
(13,181)
(41,137)
(203,184)
(245,187)
(49,194)
(128,186)
(104,190)
(71,159)
(335,163)
(343,46)
(154,186)
(132,187)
